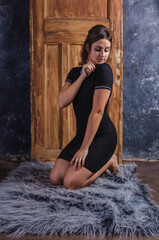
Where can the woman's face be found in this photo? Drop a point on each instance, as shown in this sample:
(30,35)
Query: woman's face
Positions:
(99,51)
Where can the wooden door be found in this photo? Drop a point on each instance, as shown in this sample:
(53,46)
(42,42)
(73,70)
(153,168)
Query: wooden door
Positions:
(58,29)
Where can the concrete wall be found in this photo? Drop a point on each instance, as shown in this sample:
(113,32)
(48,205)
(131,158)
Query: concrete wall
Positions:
(140,80)
(14,77)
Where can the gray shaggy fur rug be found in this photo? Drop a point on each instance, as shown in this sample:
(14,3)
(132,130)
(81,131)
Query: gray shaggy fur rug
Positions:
(112,205)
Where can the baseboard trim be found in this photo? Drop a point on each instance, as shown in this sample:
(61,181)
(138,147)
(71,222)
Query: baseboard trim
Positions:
(140,160)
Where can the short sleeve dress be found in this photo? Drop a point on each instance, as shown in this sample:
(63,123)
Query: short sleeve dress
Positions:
(104,142)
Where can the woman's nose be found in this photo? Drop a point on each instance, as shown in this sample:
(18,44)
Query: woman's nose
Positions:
(102,53)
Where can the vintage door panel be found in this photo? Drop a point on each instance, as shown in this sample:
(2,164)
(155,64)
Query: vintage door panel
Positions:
(58,29)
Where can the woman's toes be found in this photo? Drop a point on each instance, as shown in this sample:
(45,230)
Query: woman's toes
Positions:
(114,167)
(117,170)
(107,171)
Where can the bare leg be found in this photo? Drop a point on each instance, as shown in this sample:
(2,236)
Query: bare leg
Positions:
(58,171)
(112,163)
(63,173)
(73,178)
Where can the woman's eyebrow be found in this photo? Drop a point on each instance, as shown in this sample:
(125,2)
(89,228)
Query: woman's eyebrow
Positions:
(100,46)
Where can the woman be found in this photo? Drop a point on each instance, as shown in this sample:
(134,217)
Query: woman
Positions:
(89,87)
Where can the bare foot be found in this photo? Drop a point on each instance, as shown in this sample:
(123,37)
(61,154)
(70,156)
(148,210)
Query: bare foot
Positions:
(114,167)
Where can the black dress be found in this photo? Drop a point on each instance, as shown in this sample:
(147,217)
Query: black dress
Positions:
(105,140)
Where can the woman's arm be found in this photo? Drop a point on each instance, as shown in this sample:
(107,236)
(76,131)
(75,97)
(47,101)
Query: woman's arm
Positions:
(67,94)
(100,99)
(92,126)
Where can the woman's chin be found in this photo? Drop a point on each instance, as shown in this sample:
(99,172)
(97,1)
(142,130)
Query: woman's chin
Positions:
(98,63)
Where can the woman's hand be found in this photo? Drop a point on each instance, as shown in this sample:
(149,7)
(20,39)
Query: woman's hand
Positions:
(88,68)
(79,158)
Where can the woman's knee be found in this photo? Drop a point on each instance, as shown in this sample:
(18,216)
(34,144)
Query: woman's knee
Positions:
(68,183)
(71,183)
(55,180)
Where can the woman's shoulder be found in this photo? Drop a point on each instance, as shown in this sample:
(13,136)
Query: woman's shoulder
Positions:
(74,73)
(104,68)
(77,70)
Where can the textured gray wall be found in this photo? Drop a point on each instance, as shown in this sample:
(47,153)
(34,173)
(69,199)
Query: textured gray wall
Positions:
(14,77)
(141,81)
(141,78)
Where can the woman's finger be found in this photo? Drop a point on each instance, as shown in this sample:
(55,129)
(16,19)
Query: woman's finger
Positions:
(83,160)
(72,160)
(76,163)
(92,66)
(91,62)
(79,162)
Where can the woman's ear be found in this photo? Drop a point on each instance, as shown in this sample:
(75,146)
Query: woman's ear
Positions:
(87,48)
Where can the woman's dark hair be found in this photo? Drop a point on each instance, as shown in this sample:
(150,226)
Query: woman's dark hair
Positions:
(94,34)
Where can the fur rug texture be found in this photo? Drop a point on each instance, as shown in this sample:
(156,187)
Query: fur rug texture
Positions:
(112,205)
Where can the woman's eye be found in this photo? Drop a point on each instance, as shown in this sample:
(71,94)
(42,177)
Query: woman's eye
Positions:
(98,50)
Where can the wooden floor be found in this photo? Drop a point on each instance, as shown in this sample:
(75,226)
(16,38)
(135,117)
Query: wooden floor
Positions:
(148,173)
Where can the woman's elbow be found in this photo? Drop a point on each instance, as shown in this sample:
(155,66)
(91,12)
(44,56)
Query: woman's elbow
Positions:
(59,101)
(99,112)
